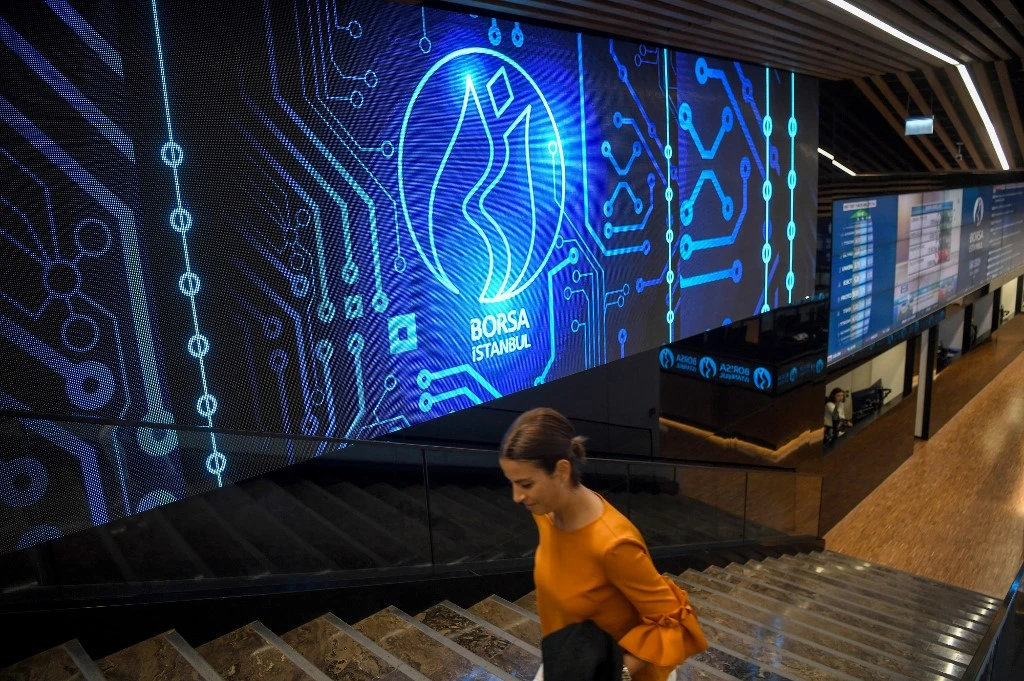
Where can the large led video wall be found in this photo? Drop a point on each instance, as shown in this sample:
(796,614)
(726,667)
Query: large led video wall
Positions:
(897,258)
(341,218)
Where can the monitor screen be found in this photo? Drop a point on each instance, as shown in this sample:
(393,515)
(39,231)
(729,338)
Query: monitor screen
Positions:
(898,258)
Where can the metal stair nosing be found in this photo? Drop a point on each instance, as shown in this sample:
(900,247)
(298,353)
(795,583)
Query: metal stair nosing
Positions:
(492,629)
(86,665)
(879,630)
(375,648)
(896,649)
(192,656)
(930,627)
(834,582)
(471,657)
(710,601)
(895,582)
(293,655)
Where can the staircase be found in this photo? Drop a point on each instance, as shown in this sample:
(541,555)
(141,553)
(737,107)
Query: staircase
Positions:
(806,617)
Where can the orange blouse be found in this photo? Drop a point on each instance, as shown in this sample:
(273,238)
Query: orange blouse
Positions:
(603,572)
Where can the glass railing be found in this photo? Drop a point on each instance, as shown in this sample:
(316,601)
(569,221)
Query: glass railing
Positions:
(90,523)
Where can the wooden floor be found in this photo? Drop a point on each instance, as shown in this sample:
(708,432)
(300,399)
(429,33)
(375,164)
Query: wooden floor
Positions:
(954,511)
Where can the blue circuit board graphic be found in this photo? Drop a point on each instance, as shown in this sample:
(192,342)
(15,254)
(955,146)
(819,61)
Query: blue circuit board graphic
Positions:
(343,218)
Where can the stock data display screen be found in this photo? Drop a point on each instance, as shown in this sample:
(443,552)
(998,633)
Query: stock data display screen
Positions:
(896,259)
(342,218)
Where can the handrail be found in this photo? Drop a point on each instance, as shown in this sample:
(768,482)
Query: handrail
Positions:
(105,421)
(987,645)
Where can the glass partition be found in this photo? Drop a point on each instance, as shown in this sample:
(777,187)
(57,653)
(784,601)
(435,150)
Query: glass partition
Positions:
(349,512)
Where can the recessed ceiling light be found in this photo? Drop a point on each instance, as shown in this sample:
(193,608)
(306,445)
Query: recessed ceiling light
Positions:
(961,69)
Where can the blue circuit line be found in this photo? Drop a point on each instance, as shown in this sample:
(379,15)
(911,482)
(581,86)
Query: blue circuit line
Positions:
(216,462)
(700,279)
(766,122)
(643,141)
(637,226)
(670,314)
(466,369)
(88,35)
(632,92)
(706,154)
(551,316)
(720,75)
(63,87)
(718,242)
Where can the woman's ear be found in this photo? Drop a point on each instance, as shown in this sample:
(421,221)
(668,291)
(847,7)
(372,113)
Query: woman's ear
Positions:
(563,470)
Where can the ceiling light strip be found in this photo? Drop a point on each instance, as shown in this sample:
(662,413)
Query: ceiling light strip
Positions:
(964,73)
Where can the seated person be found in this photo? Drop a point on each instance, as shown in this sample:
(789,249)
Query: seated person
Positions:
(835,411)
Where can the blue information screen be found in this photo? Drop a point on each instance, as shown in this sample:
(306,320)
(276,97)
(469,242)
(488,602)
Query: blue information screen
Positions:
(896,259)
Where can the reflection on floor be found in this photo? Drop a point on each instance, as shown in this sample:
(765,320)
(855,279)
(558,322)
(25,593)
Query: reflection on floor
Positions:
(954,511)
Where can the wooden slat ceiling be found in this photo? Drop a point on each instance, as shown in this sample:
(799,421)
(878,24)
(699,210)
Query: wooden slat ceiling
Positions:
(879,79)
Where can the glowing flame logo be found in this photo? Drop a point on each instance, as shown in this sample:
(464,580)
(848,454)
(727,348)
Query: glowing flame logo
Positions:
(481,174)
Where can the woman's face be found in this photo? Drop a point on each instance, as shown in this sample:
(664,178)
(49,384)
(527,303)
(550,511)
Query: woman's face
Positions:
(840,397)
(533,487)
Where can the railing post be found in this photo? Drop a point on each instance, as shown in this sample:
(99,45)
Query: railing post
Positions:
(426,496)
(746,491)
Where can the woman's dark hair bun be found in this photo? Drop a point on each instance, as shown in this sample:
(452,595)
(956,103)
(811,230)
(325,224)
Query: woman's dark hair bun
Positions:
(579,451)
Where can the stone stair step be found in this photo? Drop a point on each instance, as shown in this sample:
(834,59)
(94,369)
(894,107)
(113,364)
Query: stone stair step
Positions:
(737,666)
(804,582)
(66,662)
(924,628)
(528,602)
(511,618)
(344,654)
(905,577)
(776,600)
(254,653)
(769,625)
(978,603)
(769,657)
(829,579)
(518,658)
(697,671)
(166,656)
(425,650)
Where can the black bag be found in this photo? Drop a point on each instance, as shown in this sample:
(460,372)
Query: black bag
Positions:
(581,652)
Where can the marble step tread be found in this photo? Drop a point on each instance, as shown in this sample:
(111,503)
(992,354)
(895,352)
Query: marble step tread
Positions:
(696,671)
(344,654)
(865,591)
(528,602)
(166,656)
(776,600)
(895,580)
(902,575)
(517,658)
(715,662)
(770,656)
(890,605)
(805,641)
(66,662)
(425,650)
(254,653)
(511,618)
(924,628)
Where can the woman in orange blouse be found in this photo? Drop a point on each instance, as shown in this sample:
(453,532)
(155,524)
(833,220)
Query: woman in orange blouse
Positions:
(591,562)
